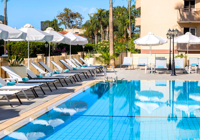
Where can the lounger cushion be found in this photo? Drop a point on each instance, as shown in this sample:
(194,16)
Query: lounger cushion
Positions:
(194,64)
(178,67)
(11,83)
(74,68)
(66,70)
(78,67)
(25,79)
(126,64)
(85,65)
(141,64)
(0,85)
(160,67)
(39,76)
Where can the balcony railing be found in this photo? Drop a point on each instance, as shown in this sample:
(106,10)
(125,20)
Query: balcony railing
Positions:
(188,15)
(138,4)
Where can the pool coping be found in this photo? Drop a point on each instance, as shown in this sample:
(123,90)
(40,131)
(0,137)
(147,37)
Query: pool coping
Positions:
(15,123)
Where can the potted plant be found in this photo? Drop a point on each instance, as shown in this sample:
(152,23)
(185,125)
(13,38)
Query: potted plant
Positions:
(90,58)
(15,62)
(184,57)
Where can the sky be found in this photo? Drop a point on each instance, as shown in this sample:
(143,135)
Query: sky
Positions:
(21,12)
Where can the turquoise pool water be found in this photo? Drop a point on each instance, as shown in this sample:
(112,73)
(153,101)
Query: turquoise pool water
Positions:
(123,110)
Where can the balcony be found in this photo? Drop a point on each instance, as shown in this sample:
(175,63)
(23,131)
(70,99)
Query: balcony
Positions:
(138,4)
(188,15)
(138,21)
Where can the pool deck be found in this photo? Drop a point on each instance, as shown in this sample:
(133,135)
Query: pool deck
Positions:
(12,115)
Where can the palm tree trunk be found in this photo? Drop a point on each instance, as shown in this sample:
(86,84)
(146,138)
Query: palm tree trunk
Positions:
(102,36)
(129,7)
(5,21)
(95,35)
(107,33)
(111,34)
(125,32)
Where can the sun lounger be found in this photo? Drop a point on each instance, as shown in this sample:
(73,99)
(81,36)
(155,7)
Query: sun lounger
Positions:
(62,75)
(90,65)
(179,64)
(19,87)
(39,83)
(78,63)
(63,71)
(33,76)
(83,71)
(128,61)
(161,65)
(193,62)
(143,62)
(6,93)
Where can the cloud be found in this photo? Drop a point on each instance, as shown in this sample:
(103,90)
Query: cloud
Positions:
(92,10)
(82,8)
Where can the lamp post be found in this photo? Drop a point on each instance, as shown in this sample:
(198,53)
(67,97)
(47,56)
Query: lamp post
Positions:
(172,34)
(83,50)
(126,49)
(169,37)
(46,46)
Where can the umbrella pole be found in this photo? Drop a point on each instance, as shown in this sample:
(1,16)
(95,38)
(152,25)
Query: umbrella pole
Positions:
(151,57)
(49,54)
(187,55)
(28,54)
(70,50)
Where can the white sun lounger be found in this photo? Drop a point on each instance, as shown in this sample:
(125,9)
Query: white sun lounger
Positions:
(193,62)
(128,61)
(161,64)
(14,75)
(62,71)
(179,64)
(90,65)
(18,87)
(62,75)
(143,61)
(6,93)
(84,72)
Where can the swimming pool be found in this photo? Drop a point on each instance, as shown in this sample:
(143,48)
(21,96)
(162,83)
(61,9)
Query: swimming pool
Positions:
(135,110)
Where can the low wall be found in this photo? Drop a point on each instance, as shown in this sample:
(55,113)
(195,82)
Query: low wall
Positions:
(118,60)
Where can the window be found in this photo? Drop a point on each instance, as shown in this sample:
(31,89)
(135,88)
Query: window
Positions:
(191,30)
(189,4)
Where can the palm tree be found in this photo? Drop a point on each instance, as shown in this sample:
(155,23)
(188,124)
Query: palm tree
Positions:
(129,7)
(111,33)
(106,24)
(100,14)
(54,24)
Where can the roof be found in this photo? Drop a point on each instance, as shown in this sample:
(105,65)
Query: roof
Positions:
(65,32)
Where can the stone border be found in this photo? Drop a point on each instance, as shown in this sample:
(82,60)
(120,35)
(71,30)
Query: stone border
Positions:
(15,123)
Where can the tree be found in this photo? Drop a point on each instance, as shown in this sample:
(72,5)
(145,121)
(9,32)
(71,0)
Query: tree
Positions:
(70,19)
(92,27)
(54,24)
(5,20)
(129,8)
(111,33)
(100,15)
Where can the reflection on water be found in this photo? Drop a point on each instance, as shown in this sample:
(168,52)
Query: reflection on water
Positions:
(123,110)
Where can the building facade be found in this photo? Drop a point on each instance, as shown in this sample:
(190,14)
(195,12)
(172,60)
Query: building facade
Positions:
(77,31)
(158,16)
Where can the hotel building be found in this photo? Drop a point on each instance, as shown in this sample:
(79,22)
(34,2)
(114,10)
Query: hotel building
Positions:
(158,16)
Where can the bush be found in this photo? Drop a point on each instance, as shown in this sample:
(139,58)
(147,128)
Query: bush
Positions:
(21,48)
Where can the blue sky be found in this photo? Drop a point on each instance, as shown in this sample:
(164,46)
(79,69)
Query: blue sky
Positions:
(21,12)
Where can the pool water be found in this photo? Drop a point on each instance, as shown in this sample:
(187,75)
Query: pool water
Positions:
(122,110)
